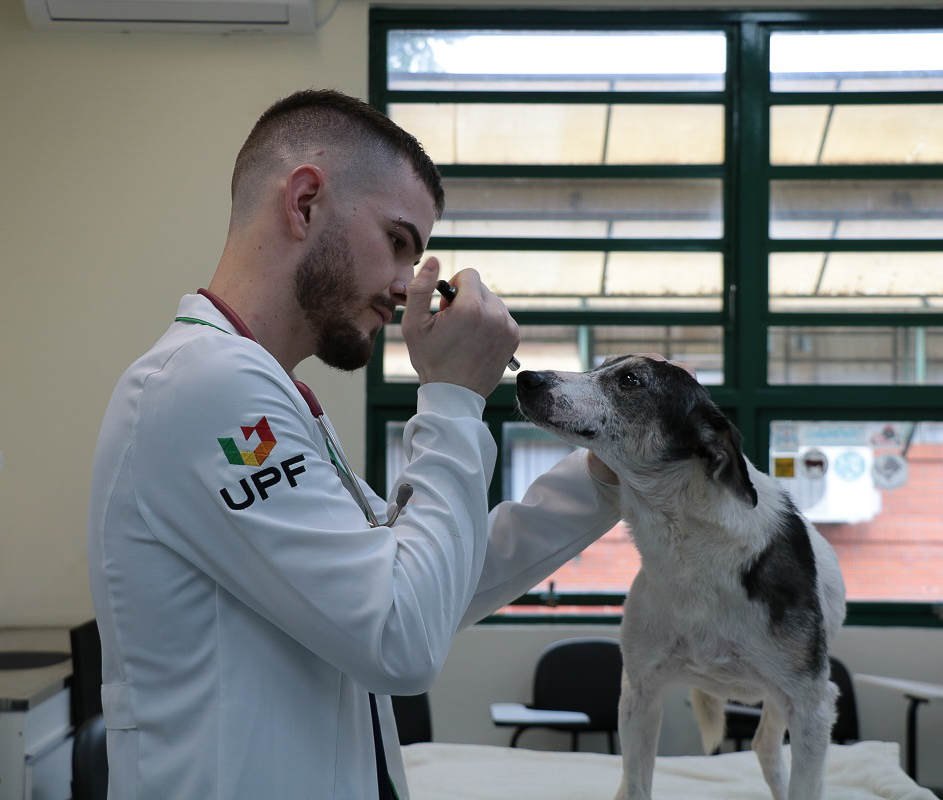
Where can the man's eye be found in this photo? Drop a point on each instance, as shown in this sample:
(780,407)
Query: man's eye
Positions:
(398,242)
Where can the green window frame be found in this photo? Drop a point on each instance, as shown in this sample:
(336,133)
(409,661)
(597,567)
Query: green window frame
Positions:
(744,313)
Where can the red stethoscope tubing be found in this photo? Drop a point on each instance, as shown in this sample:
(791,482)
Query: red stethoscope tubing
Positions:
(243,330)
(405,490)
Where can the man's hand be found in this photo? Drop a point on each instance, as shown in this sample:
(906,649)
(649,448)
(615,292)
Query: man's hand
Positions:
(469,342)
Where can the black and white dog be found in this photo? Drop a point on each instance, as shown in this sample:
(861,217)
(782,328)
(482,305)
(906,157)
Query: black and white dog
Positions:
(738,595)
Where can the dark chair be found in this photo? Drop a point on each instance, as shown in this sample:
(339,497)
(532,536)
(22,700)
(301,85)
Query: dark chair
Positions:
(89,748)
(413,718)
(86,682)
(845,728)
(743,720)
(90,760)
(576,689)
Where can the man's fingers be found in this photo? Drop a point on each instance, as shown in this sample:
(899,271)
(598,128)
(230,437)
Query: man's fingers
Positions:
(419,291)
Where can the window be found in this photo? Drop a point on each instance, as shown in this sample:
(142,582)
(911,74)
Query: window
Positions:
(757,195)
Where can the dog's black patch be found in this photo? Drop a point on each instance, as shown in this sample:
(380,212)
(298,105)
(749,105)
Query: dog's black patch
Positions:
(670,392)
(679,400)
(783,577)
(699,428)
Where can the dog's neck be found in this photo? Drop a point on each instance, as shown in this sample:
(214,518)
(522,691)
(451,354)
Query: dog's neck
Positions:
(666,497)
(681,515)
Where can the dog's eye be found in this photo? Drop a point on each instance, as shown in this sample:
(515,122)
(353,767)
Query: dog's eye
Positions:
(629,380)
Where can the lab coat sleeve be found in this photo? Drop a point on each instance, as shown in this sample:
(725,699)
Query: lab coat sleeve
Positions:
(563,512)
(285,538)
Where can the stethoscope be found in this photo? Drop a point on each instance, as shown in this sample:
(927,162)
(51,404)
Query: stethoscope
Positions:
(404,492)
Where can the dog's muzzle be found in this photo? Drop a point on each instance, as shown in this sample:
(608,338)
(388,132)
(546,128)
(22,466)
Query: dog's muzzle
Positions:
(532,386)
(533,393)
(528,381)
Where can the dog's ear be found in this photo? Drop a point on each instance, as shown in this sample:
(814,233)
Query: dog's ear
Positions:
(721,447)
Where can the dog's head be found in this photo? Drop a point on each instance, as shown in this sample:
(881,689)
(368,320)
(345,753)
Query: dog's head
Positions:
(640,416)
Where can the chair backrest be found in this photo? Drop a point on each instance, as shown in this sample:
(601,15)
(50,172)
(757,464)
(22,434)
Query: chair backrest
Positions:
(413,718)
(85,693)
(846,720)
(90,760)
(582,674)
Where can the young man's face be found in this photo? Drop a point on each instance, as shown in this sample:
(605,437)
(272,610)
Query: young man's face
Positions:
(357,270)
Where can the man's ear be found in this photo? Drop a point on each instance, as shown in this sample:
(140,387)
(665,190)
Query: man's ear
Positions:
(304,187)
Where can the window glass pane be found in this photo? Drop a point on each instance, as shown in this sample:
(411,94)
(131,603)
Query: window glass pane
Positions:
(582,208)
(700,347)
(666,135)
(859,134)
(549,133)
(854,282)
(528,452)
(694,278)
(876,356)
(577,280)
(856,210)
(597,61)
(395,455)
(875,491)
(610,563)
(575,348)
(853,61)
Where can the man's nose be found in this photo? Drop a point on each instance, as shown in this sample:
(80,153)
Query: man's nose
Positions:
(398,291)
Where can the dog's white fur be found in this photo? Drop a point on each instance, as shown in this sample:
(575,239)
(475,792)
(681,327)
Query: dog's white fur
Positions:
(727,600)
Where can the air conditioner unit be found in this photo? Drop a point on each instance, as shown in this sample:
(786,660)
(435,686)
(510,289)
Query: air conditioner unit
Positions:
(830,484)
(174,16)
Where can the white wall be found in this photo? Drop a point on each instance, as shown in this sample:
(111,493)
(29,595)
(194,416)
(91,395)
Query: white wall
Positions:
(115,157)
(494,663)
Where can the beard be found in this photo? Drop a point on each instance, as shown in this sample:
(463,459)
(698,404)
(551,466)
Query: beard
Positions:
(321,281)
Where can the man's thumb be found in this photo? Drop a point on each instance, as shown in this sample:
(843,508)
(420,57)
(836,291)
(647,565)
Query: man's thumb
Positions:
(419,291)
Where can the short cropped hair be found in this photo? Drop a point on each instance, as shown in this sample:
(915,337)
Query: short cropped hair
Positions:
(314,117)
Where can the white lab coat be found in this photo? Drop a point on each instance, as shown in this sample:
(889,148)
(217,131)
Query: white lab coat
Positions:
(247,611)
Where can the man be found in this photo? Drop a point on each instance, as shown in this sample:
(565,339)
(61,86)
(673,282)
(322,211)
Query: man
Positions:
(248,612)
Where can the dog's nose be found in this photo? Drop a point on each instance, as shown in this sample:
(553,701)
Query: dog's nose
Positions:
(528,380)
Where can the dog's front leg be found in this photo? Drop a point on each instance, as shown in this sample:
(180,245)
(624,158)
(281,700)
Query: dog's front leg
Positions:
(640,715)
(768,746)
(809,734)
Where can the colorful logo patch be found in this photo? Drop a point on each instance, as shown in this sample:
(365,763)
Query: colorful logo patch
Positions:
(250,458)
